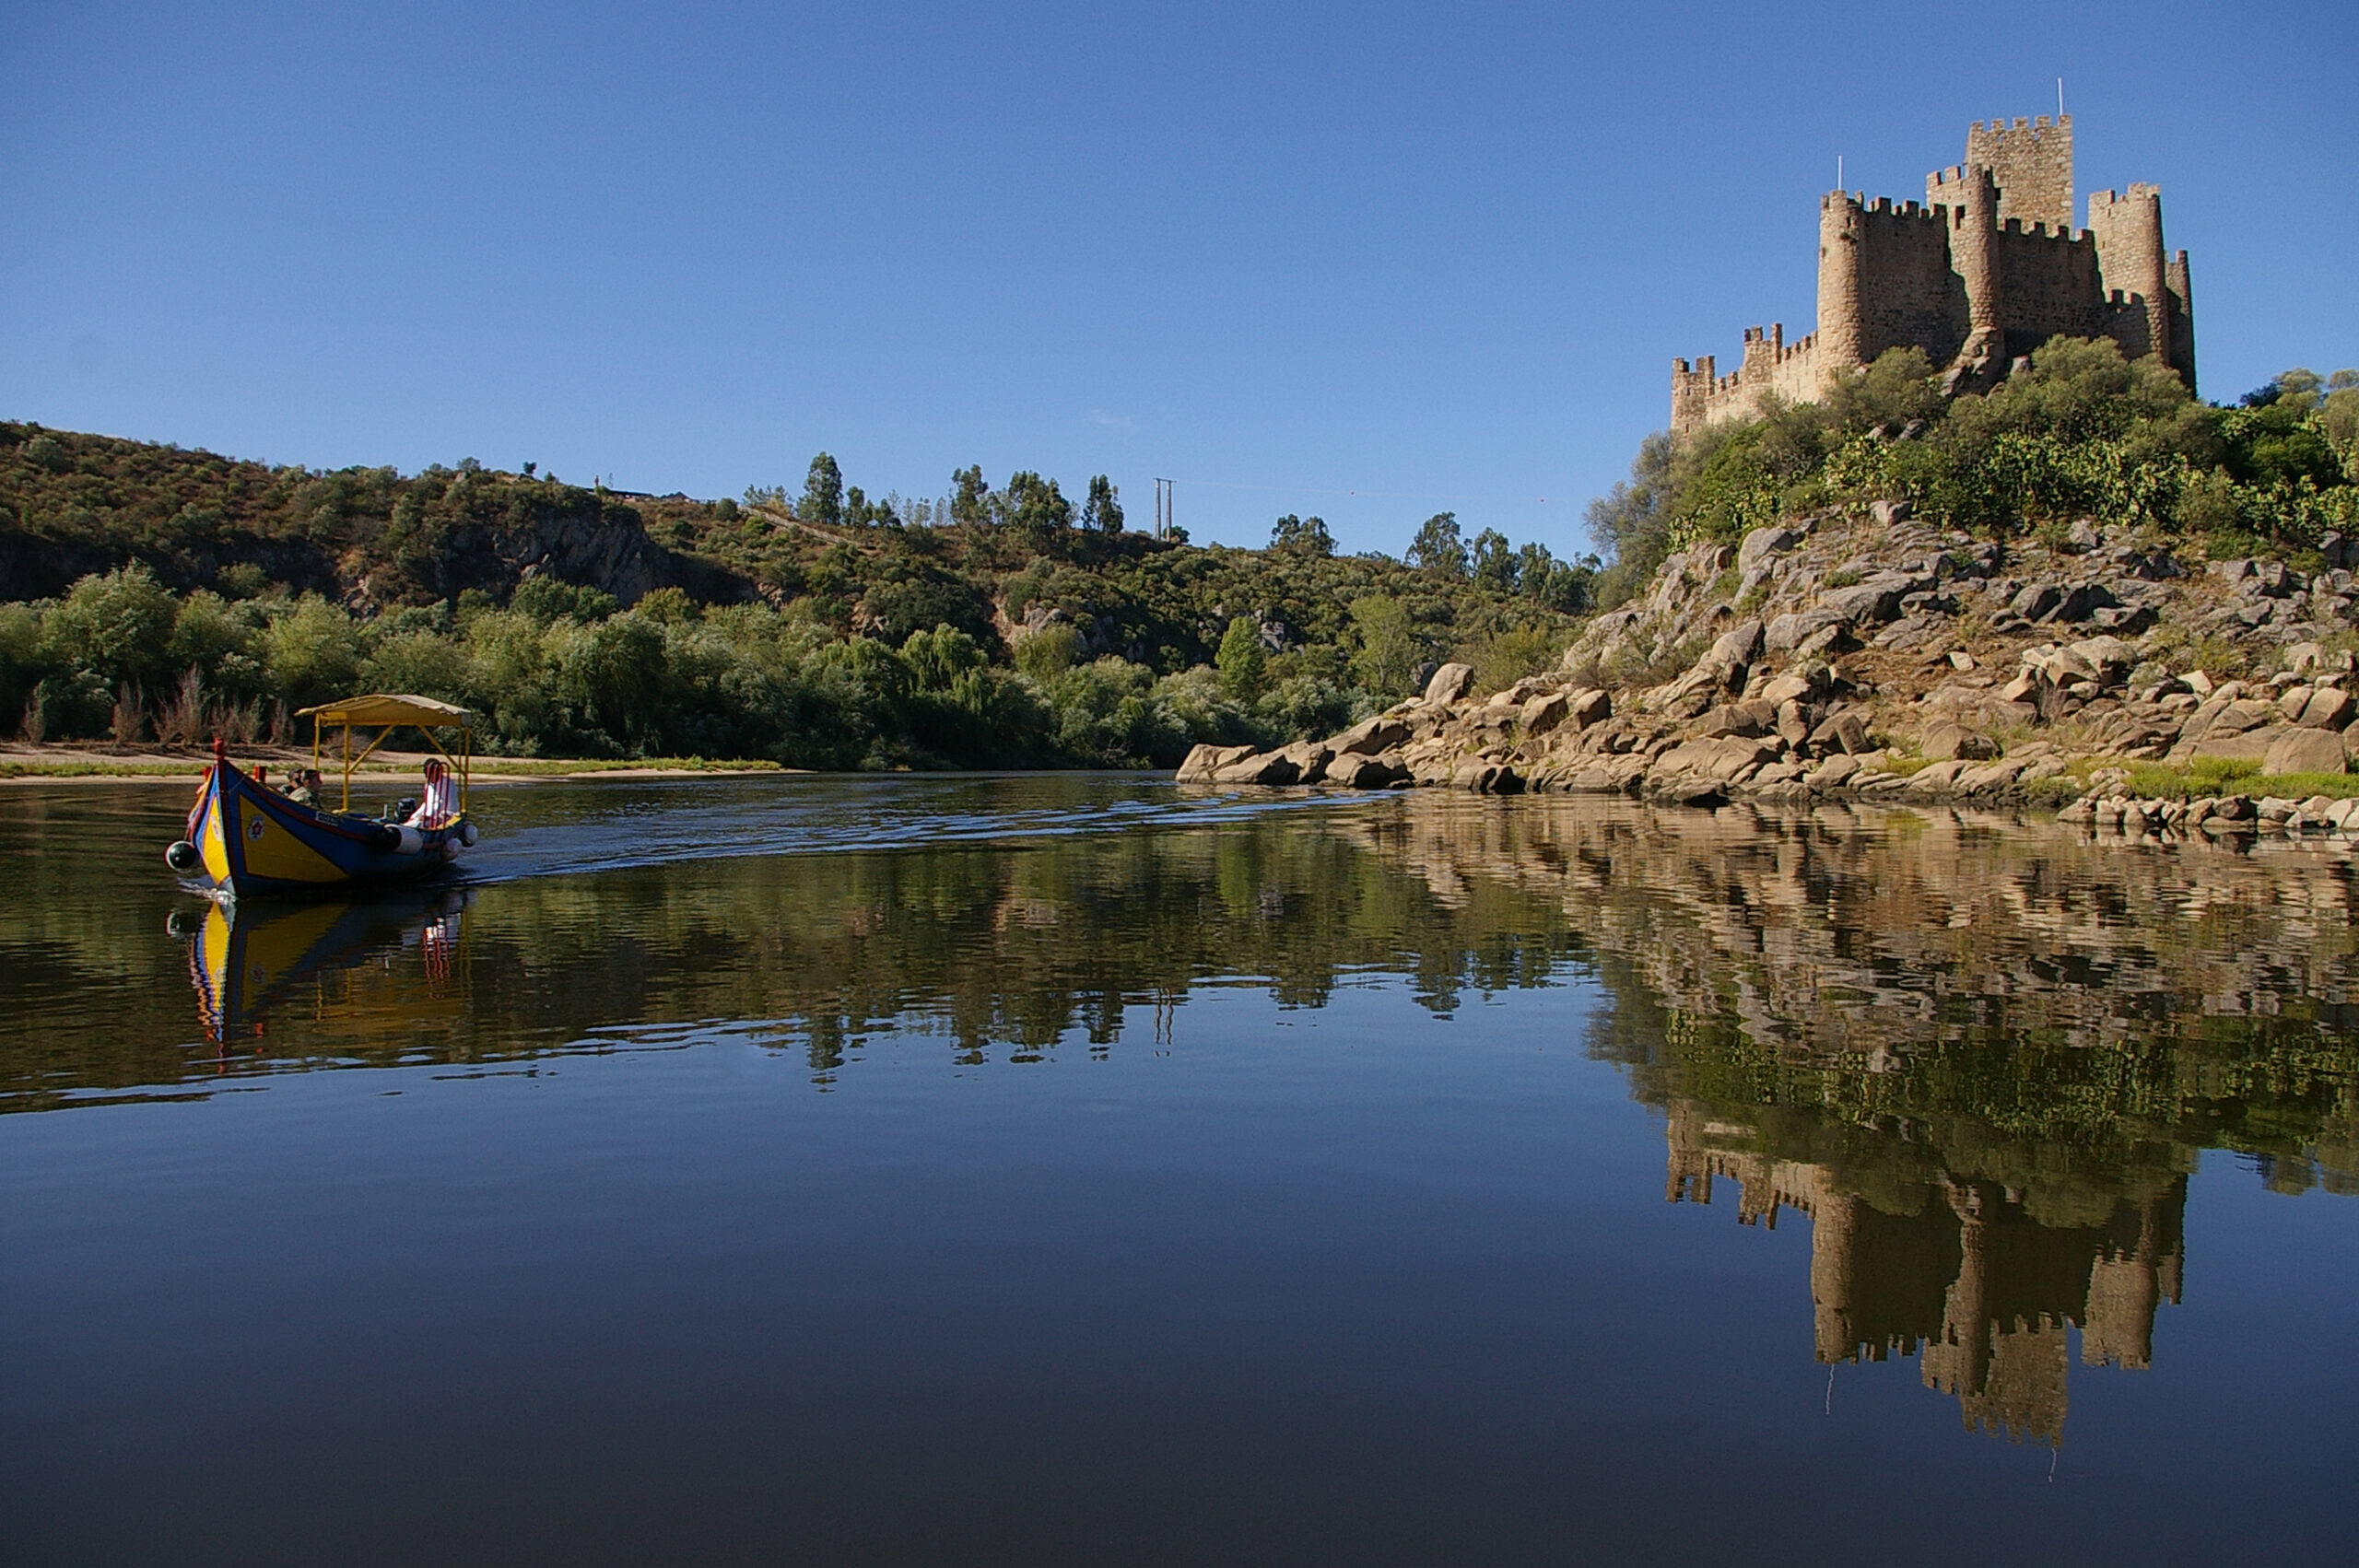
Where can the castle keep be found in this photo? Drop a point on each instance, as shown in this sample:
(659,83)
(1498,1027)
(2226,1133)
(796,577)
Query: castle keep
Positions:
(1986,270)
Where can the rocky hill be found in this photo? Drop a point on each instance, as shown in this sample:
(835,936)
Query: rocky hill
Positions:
(1870,654)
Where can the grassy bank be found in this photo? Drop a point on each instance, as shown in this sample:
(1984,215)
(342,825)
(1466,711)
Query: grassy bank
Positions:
(81,766)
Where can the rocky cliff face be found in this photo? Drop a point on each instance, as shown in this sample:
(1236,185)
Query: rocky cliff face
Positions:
(598,545)
(1878,656)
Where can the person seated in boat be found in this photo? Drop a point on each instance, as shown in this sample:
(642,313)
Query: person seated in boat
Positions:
(303,789)
(440,801)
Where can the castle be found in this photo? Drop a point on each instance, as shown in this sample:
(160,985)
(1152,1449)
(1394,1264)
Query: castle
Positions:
(1990,268)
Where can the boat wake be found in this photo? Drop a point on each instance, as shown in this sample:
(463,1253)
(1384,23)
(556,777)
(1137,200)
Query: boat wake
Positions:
(607,830)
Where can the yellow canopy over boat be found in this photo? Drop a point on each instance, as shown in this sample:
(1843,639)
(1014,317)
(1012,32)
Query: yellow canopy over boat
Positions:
(385,713)
(422,711)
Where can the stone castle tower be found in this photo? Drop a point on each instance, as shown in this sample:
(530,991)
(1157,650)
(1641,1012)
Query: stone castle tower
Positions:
(1990,268)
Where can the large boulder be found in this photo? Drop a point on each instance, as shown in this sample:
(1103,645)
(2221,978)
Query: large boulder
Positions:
(1449,682)
(1875,600)
(1355,770)
(1589,708)
(1764,545)
(2036,600)
(1720,759)
(1310,758)
(2081,601)
(1202,762)
(1739,719)
(1261,768)
(1845,732)
(2111,657)
(1381,732)
(2243,746)
(1545,712)
(2329,708)
(1947,741)
(1736,648)
(2304,751)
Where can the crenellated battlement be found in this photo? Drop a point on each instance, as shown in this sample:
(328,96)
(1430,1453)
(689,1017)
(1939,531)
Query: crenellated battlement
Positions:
(1990,265)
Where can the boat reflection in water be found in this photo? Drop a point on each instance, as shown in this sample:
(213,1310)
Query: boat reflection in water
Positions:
(372,968)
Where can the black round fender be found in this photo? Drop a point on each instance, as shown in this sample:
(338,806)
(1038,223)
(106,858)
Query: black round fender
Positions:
(183,856)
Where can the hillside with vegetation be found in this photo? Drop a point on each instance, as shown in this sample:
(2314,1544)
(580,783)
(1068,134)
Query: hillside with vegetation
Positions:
(2077,433)
(2079,581)
(1881,563)
(159,595)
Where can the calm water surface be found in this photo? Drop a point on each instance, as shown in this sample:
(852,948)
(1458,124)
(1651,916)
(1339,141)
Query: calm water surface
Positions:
(1079,1170)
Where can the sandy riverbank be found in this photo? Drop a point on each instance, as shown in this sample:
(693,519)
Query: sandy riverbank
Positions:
(70,763)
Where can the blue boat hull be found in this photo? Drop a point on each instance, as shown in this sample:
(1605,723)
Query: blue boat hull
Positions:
(250,839)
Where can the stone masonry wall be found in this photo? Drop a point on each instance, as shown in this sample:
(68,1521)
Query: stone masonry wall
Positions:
(2048,284)
(1991,264)
(1910,294)
(2033,165)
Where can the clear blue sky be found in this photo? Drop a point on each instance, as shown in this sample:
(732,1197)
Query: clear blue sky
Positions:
(1440,256)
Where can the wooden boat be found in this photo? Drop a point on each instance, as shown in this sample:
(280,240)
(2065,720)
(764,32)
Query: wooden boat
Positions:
(246,838)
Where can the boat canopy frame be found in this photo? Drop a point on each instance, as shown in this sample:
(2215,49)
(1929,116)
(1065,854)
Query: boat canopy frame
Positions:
(388,713)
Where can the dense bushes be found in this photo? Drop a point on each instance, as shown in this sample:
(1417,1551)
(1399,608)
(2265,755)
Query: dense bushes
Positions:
(2080,432)
(191,595)
(562,670)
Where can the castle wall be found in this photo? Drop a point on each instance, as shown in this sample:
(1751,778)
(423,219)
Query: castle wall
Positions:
(1910,294)
(2049,282)
(1771,367)
(1990,267)
(2032,165)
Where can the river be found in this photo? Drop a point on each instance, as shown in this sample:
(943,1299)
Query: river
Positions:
(1081,1169)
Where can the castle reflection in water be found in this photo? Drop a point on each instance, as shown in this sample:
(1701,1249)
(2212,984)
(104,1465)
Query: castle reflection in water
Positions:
(1981,1056)
(1969,1281)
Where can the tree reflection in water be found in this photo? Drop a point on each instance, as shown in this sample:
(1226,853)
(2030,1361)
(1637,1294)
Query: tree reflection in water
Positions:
(1981,1056)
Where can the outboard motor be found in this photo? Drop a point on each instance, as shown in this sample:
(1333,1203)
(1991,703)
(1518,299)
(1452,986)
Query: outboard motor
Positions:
(183,856)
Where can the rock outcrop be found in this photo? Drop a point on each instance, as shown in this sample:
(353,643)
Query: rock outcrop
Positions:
(1878,657)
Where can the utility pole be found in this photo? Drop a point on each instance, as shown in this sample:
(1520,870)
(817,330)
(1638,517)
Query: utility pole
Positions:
(1163,497)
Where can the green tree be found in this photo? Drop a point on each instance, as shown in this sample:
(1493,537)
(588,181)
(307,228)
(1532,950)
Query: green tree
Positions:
(1242,661)
(823,493)
(549,600)
(1302,536)
(1438,548)
(936,659)
(313,650)
(971,498)
(1631,523)
(1048,652)
(1102,513)
(118,626)
(1036,511)
(1496,567)
(1562,586)
(862,512)
(1389,651)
